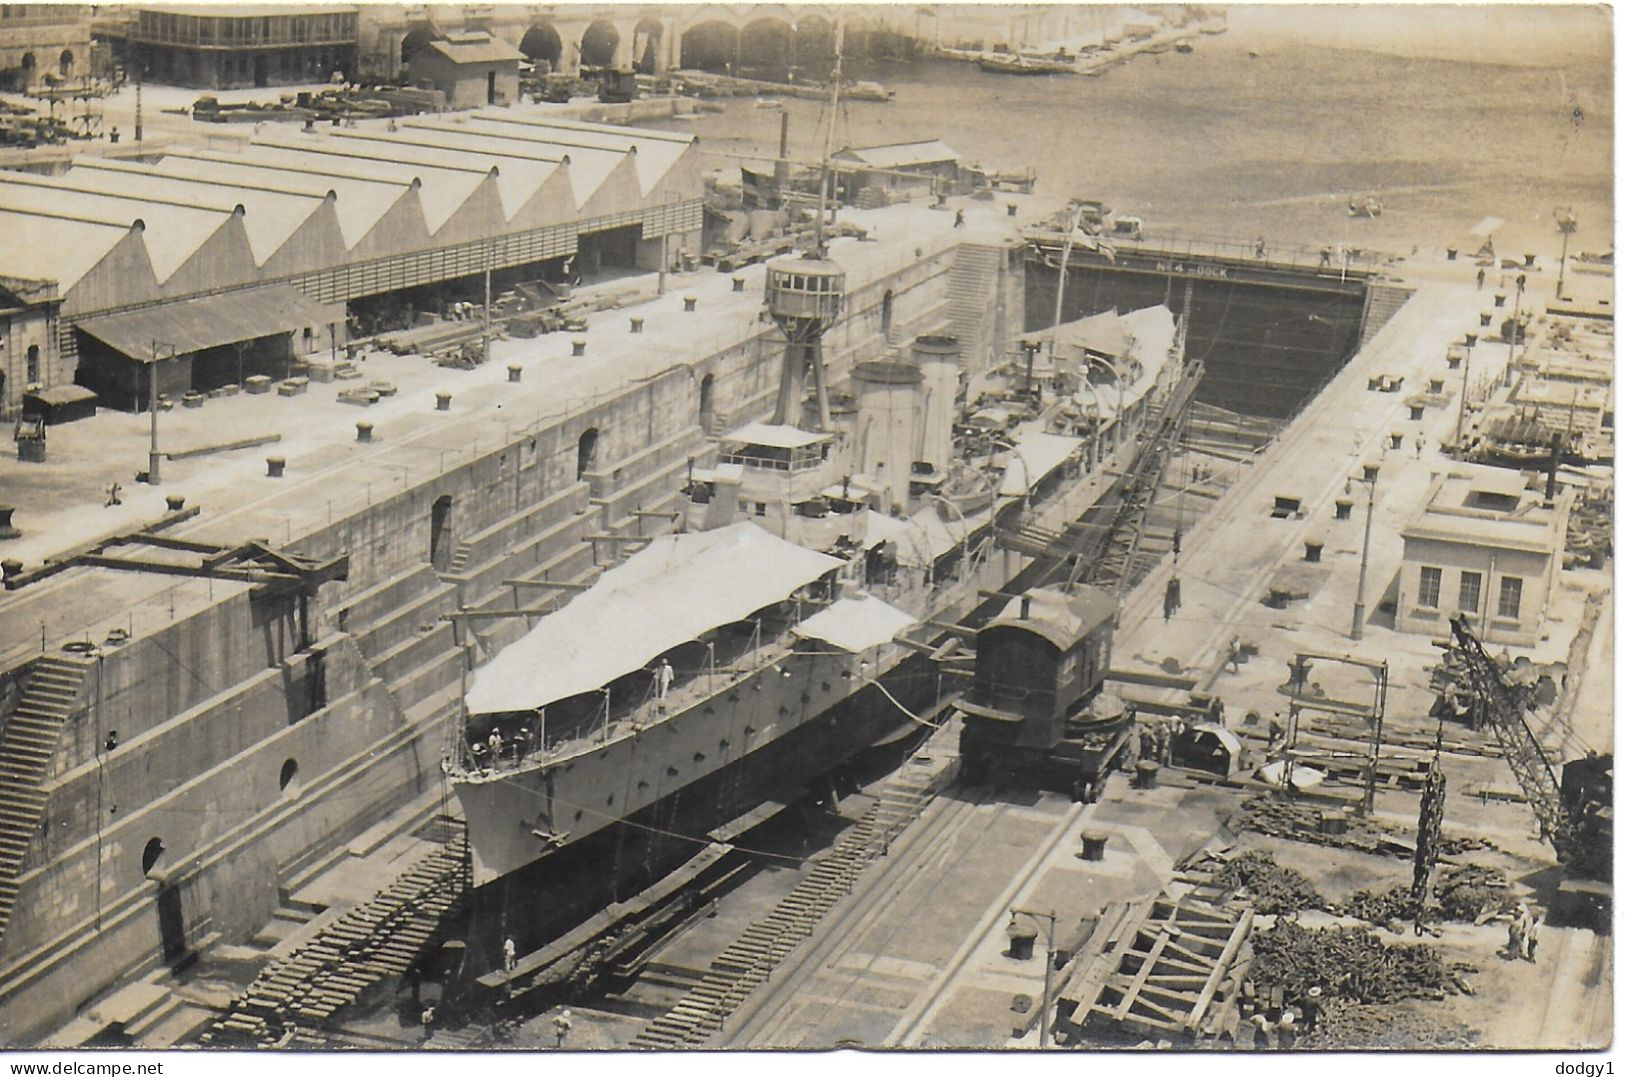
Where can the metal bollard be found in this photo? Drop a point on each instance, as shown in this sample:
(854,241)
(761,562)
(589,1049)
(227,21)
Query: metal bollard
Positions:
(1311,549)
(363,431)
(515,372)
(1343,506)
(1094,846)
(175,502)
(689,304)
(442,401)
(1416,413)
(1396,441)
(637,325)
(1009,209)
(1472,338)
(739,284)
(274,466)
(1500,299)
(1484,318)
(578,347)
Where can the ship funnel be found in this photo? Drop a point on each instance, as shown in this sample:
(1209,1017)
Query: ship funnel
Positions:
(938,360)
(887,393)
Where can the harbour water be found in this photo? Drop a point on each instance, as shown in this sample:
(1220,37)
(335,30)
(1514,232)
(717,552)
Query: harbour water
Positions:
(1219,141)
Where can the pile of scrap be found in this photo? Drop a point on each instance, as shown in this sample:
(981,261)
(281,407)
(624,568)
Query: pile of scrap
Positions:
(1166,969)
(1255,878)
(1469,893)
(1589,541)
(1349,963)
(1313,824)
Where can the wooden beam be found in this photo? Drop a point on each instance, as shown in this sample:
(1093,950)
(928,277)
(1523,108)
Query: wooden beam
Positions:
(1243,928)
(558,585)
(644,513)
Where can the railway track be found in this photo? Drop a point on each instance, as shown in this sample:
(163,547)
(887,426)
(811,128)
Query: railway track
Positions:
(748,962)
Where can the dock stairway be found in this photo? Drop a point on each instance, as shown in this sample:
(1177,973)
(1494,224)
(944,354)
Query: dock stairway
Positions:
(750,960)
(28,742)
(971,285)
(355,952)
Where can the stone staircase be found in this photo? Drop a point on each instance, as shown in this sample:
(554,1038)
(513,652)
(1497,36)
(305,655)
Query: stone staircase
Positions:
(1382,301)
(28,743)
(971,285)
(356,951)
(750,960)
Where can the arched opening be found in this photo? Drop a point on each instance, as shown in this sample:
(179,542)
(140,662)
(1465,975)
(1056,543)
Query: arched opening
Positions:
(764,46)
(598,44)
(288,780)
(65,63)
(813,47)
(440,533)
(587,452)
(28,65)
(709,46)
(885,314)
(542,44)
(151,855)
(31,372)
(646,45)
(708,410)
(415,39)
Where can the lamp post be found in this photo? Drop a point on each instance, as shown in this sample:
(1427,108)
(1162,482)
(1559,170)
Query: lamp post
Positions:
(1567,225)
(1048,919)
(1357,631)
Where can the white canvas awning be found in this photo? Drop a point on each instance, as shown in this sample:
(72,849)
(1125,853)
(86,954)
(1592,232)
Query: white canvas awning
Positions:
(775,436)
(855,624)
(1036,455)
(878,527)
(672,591)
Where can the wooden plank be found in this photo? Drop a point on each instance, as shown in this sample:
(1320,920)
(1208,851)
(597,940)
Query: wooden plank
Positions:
(1140,977)
(1244,927)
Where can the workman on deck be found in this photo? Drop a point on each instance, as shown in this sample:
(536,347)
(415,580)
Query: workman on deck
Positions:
(508,958)
(561,1028)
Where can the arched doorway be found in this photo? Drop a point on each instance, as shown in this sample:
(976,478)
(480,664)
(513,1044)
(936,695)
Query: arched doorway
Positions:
(587,452)
(28,65)
(708,404)
(65,63)
(598,44)
(415,39)
(440,533)
(31,368)
(709,46)
(646,46)
(542,44)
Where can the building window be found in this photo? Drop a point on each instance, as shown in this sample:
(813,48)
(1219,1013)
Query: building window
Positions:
(1427,593)
(32,377)
(1472,584)
(1511,597)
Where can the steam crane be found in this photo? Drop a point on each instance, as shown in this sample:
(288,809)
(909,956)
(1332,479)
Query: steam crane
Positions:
(1576,814)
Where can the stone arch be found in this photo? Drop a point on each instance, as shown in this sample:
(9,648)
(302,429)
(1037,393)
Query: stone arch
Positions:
(28,65)
(417,37)
(587,452)
(712,45)
(542,42)
(598,44)
(766,42)
(646,39)
(814,42)
(64,63)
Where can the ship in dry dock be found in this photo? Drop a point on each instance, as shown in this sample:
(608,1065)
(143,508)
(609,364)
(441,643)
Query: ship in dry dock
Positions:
(815,556)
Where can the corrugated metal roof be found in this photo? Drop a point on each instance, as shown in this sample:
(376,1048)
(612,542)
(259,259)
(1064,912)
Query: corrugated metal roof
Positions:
(901,154)
(35,247)
(359,203)
(269,217)
(655,156)
(173,233)
(207,322)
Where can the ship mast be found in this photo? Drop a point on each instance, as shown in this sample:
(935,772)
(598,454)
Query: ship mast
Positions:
(829,141)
